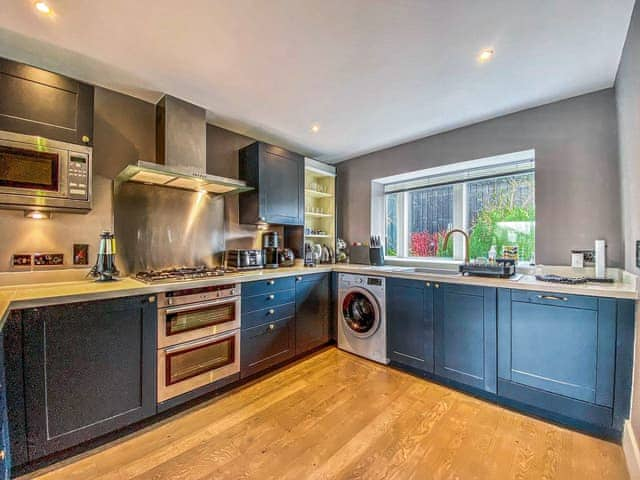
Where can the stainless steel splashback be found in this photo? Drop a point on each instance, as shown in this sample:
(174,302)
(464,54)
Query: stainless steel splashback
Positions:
(159,227)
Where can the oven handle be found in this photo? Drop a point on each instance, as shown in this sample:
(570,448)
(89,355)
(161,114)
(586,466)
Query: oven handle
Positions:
(201,341)
(199,305)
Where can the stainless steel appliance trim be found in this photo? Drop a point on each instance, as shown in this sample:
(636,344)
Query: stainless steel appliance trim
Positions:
(231,290)
(201,341)
(165,340)
(165,392)
(60,200)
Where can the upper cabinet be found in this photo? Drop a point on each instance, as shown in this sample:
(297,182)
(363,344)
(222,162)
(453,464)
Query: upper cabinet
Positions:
(277,176)
(38,102)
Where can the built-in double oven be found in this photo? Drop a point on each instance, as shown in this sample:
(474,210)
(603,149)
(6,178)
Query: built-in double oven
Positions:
(198,338)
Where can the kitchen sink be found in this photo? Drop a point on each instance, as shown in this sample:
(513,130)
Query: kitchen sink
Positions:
(432,271)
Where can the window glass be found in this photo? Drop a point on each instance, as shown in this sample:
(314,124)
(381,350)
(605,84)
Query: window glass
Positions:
(430,216)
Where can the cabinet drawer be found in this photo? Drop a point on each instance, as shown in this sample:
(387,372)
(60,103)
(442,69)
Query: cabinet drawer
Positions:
(267,300)
(267,286)
(312,277)
(556,299)
(267,345)
(266,315)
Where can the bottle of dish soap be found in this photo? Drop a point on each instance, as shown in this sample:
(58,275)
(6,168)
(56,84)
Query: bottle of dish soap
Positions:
(492,255)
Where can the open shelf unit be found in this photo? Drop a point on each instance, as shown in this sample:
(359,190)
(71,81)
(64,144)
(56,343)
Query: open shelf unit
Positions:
(320,204)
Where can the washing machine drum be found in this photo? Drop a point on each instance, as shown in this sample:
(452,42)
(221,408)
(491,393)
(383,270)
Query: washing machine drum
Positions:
(360,313)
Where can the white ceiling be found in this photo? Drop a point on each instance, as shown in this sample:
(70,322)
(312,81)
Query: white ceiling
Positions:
(370,73)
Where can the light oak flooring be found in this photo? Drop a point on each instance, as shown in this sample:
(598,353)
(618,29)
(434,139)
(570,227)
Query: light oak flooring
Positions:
(335,415)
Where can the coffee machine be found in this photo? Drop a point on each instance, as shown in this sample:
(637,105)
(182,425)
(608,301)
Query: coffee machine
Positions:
(270,246)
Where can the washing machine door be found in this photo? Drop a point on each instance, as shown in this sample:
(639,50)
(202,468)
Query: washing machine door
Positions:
(360,313)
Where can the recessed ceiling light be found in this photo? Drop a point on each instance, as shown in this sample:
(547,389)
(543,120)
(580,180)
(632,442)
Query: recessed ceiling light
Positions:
(315,128)
(42,7)
(486,55)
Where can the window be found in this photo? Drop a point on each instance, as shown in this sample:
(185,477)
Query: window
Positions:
(492,199)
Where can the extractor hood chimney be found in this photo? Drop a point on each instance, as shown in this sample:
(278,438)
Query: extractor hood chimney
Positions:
(181,153)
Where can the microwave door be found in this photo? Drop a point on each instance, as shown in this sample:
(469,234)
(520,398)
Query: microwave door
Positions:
(33,173)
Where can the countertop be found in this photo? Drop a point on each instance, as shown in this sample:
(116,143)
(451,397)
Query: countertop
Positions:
(56,292)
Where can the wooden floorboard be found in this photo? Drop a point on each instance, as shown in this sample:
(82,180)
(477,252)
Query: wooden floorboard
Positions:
(337,416)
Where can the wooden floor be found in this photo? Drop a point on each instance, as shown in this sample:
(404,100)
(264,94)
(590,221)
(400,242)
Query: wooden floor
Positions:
(335,415)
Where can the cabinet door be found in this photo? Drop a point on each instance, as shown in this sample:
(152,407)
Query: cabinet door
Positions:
(281,186)
(465,335)
(5,453)
(266,345)
(37,102)
(313,311)
(409,311)
(89,369)
(548,344)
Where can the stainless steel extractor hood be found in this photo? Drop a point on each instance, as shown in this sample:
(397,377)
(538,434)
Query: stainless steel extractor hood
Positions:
(181,132)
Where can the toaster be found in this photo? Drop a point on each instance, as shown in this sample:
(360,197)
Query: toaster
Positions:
(244,259)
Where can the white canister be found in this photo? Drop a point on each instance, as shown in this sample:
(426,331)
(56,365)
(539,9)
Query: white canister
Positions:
(601,258)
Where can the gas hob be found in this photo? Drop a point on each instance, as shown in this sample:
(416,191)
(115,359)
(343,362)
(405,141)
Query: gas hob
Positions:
(180,274)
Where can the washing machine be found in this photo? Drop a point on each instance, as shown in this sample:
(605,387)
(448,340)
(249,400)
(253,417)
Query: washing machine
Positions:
(362,326)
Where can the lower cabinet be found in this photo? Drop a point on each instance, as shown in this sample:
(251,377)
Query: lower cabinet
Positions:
(558,352)
(313,311)
(409,312)
(5,451)
(267,345)
(89,369)
(465,335)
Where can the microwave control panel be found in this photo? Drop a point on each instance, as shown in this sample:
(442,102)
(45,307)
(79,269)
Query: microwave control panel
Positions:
(78,176)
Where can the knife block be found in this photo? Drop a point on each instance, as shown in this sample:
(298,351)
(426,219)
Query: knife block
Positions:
(376,256)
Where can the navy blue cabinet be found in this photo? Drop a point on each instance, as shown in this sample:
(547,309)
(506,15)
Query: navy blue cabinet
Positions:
(5,457)
(277,176)
(465,335)
(313,311)
(409,312)
(89,369)
(557,352)
(268,324)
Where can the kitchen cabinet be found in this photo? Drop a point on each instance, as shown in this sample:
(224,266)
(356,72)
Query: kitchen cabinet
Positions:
(267,323)
(465,335)
(89,369)
(277,176)
(409,312)
(38,102)
(267,345)
(5,453)
(313,311)
(558,353)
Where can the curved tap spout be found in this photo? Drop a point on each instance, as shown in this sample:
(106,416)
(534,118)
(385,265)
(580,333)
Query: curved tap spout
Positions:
(466,241)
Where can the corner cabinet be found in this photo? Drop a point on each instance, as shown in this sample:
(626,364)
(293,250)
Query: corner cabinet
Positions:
(89,369)
(465,335)
(277,176)
(38,102)
(410,323)
(313,311)
(566,354)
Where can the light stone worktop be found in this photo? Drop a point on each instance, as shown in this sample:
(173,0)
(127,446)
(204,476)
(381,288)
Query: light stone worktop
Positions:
(31,295)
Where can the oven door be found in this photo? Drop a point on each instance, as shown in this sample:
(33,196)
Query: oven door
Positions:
(189,322)
(183,368)
(34,173)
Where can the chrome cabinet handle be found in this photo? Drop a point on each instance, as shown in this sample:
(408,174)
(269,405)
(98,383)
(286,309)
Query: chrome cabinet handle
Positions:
(271,282)
(553,297)
(437,285)
(271,311)
(299,279)
(428,284)
(272,327)
(271,297)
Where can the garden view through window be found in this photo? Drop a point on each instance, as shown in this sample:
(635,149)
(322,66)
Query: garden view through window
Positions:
(496,210)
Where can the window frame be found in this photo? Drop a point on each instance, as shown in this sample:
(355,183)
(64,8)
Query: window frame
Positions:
(460,208)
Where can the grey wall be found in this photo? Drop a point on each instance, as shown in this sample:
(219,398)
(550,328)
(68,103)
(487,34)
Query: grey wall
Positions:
(628,99)
(124,130)
(577,177)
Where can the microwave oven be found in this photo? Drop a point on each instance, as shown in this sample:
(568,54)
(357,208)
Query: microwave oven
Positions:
(42,174)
